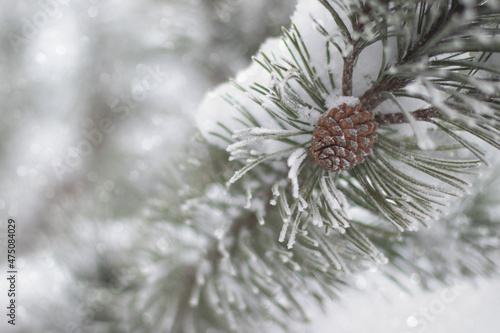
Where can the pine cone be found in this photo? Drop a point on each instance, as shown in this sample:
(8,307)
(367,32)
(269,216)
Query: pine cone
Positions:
(343,137)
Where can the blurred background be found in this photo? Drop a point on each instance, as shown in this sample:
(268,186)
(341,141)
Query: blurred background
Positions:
(95,97)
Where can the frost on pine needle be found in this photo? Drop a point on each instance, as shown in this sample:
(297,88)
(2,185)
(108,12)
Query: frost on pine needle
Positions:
(294,162)
(316,219)
(335,197)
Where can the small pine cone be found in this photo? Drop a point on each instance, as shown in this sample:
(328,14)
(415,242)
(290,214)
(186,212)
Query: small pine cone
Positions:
(343,137)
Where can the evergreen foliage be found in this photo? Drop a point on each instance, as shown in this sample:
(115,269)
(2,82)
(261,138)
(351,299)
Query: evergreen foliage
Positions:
(261,234)
(262,230)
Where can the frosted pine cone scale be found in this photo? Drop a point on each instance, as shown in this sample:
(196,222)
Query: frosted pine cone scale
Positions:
(343,137)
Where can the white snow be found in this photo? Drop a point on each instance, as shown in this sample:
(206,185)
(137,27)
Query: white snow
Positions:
(333,101)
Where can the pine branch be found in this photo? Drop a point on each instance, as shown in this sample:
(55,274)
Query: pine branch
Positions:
(288,102)
(241,260)
(404,181)
(229,246)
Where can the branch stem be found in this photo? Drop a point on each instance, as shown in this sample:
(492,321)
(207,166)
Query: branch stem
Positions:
(347,75)
(399,118)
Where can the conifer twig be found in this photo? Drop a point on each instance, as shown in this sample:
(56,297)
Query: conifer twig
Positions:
(373,97)
(348,70)
(399,118)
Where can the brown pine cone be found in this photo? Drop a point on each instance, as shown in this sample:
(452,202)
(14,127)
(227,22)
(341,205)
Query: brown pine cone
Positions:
(343,137)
